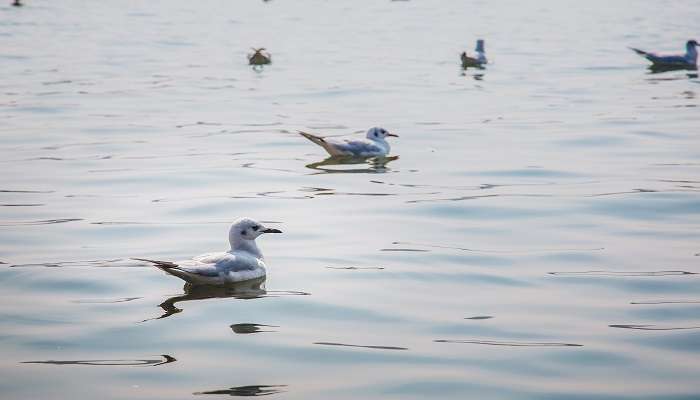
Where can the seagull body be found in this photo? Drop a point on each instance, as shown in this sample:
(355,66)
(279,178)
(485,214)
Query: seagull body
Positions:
(242,262)
(479,60)
(259,57)
(374,145)
(689,59)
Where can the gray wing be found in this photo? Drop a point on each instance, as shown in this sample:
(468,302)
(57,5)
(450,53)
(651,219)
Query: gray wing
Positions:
(221,262)
(666,59)
(358,147)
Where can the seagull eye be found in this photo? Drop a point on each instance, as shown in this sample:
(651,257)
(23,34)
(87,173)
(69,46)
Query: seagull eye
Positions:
(243,232)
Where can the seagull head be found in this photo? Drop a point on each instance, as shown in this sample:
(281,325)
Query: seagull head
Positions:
(247,229)
(378,133)
(691,43)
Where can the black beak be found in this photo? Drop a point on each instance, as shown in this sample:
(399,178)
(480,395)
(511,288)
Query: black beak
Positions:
(270,230)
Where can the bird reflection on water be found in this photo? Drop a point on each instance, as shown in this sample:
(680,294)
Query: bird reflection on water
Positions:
(248,391)
(657,69)
(121,362)
(373,165)
(246,290)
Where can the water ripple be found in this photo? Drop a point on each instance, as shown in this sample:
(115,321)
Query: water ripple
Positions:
(623,273)
(361,346)
(511,344)
(545,250)
(166,359)
(41,222)
(666,302)
(652,327)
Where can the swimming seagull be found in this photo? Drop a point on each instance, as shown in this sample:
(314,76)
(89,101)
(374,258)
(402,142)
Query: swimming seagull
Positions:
(259,57)
(242,262)
(688,60)
(375,145)
(477,61)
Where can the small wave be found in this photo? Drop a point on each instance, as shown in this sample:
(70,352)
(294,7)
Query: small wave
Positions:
(117,262)
(407,249)
(511,344)
(666,302)
(41,222)
(544,250)
(166,359)
(361,346)
(622,273)
(652,327)
(106,301)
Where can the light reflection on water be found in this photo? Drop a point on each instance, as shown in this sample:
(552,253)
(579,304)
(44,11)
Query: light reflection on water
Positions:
(533,235)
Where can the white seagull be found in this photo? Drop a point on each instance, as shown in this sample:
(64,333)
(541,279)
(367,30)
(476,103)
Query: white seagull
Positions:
(687,60)
(243,262)
(479,61)
(375,145)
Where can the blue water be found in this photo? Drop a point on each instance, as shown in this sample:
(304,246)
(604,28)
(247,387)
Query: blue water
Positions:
(536,238)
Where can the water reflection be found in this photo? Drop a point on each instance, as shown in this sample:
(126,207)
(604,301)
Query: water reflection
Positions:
(166,359)
(246,328)
(373,164)
(252,289)
(658,69)
(246,290)
(250,391)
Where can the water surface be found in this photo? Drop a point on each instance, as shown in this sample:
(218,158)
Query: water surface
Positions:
(536,238)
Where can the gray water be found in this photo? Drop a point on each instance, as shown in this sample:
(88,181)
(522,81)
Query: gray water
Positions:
(536,238)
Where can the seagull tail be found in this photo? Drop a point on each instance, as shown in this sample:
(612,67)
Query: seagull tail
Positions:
(640,52)
(164,265)
(318,140)
(171,268)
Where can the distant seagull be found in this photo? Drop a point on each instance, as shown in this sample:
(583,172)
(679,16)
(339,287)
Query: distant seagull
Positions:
(374,146)
(688,60)
(243,262)
(259,57)
(479,60)
(17,3)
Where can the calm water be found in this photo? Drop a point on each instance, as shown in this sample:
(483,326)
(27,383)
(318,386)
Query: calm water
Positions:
(537,238)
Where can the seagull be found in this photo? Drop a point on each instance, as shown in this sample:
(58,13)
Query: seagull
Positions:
(259,57)
(477,61)
(243,262)
(375,145)
(690,59)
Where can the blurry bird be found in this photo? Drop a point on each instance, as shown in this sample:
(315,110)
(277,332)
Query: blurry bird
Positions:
(479,60)
(688,60)
(242,262)
(259,57)
(374,145)
(17,3)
